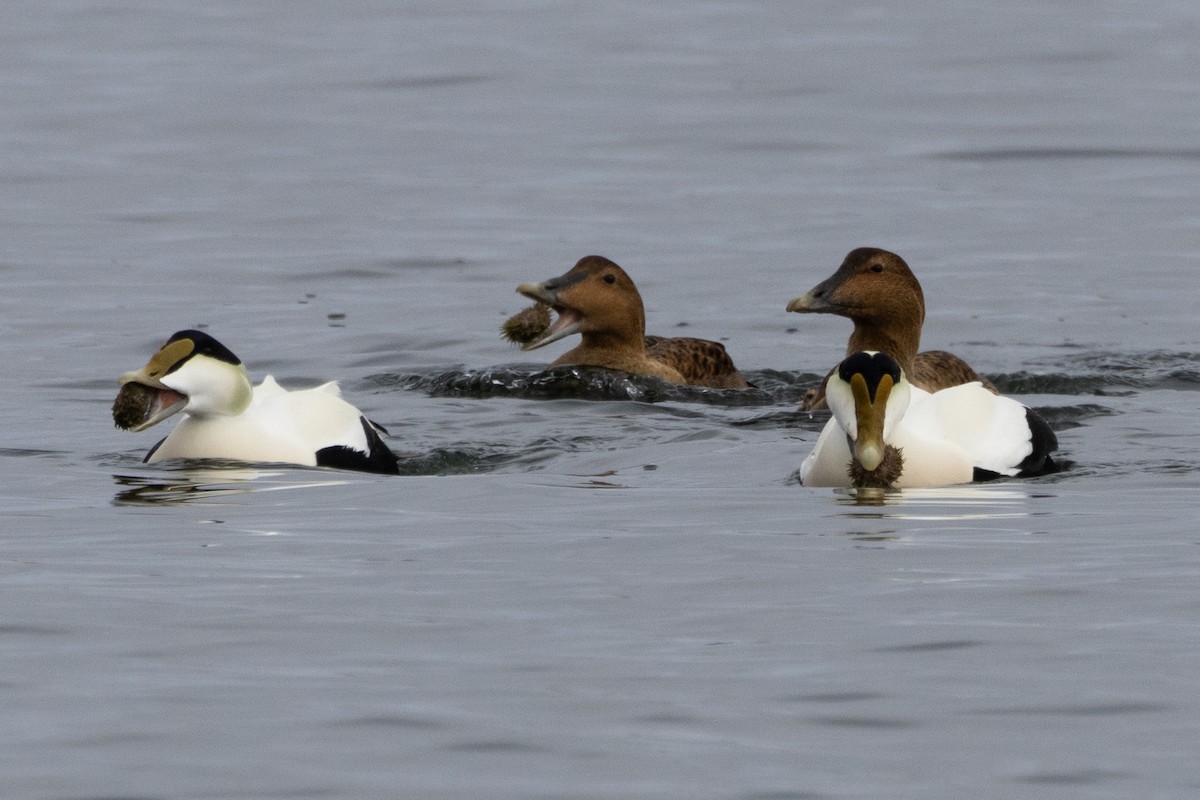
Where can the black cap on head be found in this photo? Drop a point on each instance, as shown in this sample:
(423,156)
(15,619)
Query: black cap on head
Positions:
(205,345)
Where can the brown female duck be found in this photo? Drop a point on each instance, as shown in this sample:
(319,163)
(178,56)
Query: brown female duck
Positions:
(880,294)
(599,301)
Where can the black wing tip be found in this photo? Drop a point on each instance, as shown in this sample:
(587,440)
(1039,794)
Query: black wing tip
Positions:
(153,450)
(378,458)
(1039,462)
(1043,442)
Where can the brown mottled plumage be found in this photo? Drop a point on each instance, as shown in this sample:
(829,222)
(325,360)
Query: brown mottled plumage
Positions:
(599,301)
(880,294)
(700,361)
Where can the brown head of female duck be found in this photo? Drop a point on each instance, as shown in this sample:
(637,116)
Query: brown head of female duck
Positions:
(880,294)
(600,302)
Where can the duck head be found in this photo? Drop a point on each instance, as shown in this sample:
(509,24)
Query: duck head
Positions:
(868,394)
(191,372)
(596,299)
(877,290)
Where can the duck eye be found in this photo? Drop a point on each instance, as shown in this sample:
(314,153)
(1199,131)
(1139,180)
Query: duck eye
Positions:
(610,278)
(877,268)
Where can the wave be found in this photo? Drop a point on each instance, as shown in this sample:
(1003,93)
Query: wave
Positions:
(595,383)
(1108,373)
(1082,374)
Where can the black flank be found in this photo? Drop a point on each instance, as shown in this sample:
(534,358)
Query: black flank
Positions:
(980,474)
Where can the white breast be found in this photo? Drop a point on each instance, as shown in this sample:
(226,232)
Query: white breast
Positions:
(279,426)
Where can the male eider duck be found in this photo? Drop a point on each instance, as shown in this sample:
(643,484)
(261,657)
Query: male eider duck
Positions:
(226,417)
(887,433)
(599,301)
(880,294)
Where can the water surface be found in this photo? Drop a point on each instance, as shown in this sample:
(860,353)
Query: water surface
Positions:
(585,587)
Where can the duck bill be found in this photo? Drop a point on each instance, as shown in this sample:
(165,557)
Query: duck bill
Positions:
(566,322)
(162,401)
(870,414)
(816,300)
(540,292)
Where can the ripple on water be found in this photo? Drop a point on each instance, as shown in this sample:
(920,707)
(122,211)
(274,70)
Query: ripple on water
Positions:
(392,722)
(1083,777)
(865,722)
(1107,373)
(194,480)
(1081,709)
(1071,154)
(833,697)
(200,479)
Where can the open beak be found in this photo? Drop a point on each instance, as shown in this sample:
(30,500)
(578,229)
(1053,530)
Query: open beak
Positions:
(566,320)
(869,445)
(144,401)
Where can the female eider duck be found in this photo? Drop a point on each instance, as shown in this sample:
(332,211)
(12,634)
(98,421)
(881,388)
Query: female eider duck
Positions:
(880,294)
(887,433)
(226,417)
(599,301)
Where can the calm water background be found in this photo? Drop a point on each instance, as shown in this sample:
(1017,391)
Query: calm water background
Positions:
(595,598)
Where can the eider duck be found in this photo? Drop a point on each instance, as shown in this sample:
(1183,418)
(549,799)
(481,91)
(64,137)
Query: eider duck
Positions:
(599,301)
(226,417)
(880,294)
(886,433)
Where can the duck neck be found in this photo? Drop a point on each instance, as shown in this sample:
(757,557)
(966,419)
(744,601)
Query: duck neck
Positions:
(613,340)
(901,342)
(228,392)
(604,349)
(619,330)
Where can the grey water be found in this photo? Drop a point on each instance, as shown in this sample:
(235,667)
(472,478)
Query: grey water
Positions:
(585,586)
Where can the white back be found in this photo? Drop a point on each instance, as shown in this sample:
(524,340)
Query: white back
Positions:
(278,426)
(990,429)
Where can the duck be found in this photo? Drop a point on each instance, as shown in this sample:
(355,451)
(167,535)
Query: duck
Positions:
(886,433)
(598,300)
(876,289)
(226,417)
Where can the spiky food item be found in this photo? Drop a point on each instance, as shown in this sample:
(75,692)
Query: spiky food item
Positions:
(527,325)
(132,405)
